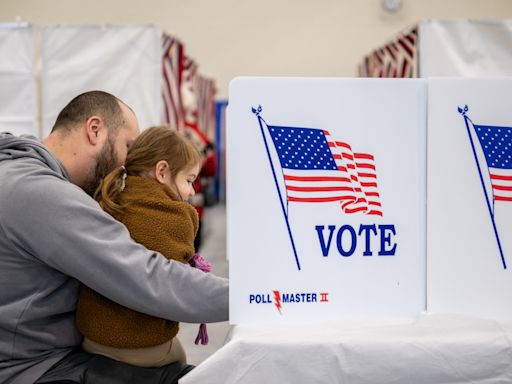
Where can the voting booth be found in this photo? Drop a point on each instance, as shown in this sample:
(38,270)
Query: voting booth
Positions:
(356,254)
(327,182)
(326,199)
(469,247)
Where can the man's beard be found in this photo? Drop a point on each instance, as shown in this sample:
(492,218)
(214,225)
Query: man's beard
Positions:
(105,163)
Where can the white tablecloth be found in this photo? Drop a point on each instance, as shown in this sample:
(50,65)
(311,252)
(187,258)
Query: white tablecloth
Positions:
(434,348)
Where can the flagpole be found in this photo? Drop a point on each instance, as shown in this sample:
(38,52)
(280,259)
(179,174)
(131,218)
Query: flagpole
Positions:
(260,120)
(466,119)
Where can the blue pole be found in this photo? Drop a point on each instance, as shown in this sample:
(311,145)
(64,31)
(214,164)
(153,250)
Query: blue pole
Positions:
(278,191)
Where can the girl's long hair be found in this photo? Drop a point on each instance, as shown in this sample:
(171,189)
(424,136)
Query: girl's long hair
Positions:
(151,146)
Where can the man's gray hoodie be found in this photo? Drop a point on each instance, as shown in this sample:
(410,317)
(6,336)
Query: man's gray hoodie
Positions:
(52,236)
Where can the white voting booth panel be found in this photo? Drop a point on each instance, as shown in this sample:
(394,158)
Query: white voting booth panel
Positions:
(325,198)
(122,60)
(469,253)
(18,103)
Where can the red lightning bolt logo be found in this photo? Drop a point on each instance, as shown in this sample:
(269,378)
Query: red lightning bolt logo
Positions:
(277,301)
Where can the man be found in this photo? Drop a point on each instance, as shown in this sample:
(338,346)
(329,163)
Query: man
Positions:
(54,236)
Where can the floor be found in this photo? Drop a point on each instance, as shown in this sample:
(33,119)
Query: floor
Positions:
(213,249)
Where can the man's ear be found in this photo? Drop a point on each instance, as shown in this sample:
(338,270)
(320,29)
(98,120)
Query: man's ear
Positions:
(94,130)
(162,172)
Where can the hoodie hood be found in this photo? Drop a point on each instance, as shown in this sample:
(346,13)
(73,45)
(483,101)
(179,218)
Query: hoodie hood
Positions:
(14,147)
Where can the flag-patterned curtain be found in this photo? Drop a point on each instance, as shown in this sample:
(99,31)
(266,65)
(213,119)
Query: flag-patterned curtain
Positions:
(172,70)
(188,97)
(206,106)
(198,96)
(188,90)
(398,58)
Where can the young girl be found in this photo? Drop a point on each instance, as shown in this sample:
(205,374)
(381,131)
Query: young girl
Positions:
(149,196)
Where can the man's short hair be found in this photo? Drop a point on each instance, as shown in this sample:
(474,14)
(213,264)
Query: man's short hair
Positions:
(89,104)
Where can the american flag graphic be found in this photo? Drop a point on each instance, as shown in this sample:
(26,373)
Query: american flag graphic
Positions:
(496,174)
(496,143)
(317,168)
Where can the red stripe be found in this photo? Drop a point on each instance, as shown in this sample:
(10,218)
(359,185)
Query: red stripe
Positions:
(406,47)
(378,213)
(374,194)
(173,107)
(341,168)
(502,198)
(354,210)
(351,166)
(501,187)
(167,89)
(390,51)
(372,175)
(500,177)
(181,61)
(375,203)
(369,185)
(363,165)
(318,189)
(337,157)
(316,178)
(344,145)
(405,64)
(348,156)
(363,156)
(411,39)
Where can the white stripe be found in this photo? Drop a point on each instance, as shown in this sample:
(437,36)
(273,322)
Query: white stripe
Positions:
(500,171)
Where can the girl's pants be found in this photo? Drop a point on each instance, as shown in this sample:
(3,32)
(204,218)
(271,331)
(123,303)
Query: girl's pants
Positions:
(157,356)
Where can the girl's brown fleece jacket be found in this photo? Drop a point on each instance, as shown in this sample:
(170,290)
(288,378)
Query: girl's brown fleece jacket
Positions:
(156,219)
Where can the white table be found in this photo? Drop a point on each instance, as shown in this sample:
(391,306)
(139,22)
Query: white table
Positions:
(434,348)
